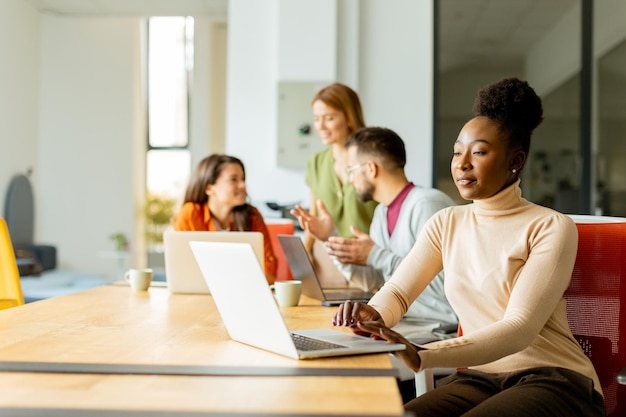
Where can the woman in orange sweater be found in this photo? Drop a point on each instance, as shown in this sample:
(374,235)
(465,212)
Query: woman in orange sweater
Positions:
(215,200)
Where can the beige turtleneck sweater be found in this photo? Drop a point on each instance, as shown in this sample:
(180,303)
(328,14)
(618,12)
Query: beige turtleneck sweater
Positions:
(507,263)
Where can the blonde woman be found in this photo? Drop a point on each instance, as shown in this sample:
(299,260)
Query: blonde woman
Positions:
(337,114)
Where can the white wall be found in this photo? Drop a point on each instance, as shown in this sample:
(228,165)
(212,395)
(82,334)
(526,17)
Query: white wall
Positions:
(86,144)
(19,83)
(76,104)
(396,76)
(251,107)
(218,44)
(71,104)
(92,142)
(72,111)
(307,40)
(394,81)
(204,80)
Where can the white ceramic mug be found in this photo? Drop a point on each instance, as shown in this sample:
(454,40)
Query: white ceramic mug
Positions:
(288,292)
(139,279)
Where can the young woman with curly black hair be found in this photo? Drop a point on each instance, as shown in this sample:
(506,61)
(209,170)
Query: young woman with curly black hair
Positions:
(507,263)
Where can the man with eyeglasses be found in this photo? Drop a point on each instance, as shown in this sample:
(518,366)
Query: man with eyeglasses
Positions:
(376,160)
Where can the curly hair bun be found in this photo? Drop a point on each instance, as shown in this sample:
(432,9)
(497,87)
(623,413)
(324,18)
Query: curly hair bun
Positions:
(512,103)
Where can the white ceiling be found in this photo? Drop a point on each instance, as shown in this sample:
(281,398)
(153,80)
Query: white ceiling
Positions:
(474,32)
(484,33)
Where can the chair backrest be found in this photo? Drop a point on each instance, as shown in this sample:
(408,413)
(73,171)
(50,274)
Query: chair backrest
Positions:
(283,228)
(19,210)
(10,286)
(596,302)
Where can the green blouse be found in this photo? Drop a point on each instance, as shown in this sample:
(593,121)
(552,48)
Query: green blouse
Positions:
(342,202)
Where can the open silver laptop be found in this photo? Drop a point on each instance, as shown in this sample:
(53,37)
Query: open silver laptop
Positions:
(252,316)
(182,274)
(303,270)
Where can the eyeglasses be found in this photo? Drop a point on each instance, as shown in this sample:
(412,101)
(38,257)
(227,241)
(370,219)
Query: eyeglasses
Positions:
(352,168)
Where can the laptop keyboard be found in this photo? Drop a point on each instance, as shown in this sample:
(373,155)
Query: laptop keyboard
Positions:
(305,343)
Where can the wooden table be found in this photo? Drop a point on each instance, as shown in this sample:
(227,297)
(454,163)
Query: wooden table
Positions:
(116,328)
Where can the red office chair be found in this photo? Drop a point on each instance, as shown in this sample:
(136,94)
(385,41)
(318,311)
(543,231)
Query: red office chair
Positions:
(283,228)
(596,302)
(596,306)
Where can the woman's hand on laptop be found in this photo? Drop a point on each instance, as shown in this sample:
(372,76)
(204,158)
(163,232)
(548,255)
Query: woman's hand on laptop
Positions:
(352,312)
(378,330)
(364,320)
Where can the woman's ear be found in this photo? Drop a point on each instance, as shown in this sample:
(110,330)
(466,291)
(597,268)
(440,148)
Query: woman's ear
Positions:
(518,160)
(208,190)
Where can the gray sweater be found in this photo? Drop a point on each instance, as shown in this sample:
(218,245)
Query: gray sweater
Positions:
(419,205)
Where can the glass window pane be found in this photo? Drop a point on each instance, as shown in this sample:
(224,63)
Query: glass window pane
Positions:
(168,64)
(611,157)
(552,173)
(167,172)
(480,45)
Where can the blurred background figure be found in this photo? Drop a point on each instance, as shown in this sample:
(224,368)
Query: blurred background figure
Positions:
(216,200)
(337,114)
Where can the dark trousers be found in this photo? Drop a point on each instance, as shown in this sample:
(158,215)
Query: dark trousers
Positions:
(536,392)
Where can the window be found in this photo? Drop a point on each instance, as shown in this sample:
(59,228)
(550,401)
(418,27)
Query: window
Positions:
(473,51)
(170,65)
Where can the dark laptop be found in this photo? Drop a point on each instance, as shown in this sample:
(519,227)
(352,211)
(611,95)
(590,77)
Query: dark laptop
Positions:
(302,269)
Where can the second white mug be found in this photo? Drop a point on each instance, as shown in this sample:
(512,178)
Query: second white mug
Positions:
(288,292)
(139,279)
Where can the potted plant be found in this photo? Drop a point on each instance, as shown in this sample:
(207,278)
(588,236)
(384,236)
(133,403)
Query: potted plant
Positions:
(159,211)
(120,241)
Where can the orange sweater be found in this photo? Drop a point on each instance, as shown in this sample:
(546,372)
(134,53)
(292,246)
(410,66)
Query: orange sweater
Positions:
(197,217)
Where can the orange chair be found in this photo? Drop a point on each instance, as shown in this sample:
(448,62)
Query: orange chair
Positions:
(10,286)
(596,302)
(283,228)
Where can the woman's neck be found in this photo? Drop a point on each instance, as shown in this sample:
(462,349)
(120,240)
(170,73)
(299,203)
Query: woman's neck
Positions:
(340,153)
(340,157)
(220,214)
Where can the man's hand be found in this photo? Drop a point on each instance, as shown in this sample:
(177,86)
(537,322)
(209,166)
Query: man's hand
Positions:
(351,251)
(319,226)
